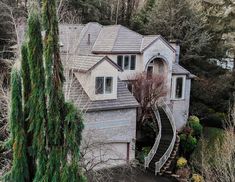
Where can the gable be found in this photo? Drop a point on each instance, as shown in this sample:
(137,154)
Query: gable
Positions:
(151,40)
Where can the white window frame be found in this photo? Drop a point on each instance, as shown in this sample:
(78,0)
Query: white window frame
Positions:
(123,61)
(104,85)
(173,92)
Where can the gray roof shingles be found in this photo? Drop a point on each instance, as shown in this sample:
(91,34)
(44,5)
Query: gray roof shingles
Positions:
(81,62)
(179,70)
(124,99)
(103,39)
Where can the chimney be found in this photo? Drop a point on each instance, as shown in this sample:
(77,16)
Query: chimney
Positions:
(176,45)
(89,39)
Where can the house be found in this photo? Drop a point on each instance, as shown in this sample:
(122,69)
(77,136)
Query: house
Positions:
(99,60)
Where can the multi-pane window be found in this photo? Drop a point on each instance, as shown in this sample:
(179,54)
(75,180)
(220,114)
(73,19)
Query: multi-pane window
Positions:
(127,62)
(103,85)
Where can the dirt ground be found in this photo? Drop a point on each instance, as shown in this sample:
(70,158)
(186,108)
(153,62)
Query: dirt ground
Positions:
(129,175)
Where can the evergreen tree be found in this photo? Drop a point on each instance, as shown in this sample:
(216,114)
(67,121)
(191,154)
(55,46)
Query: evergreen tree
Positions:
(45,130)
(19,171)
(142,18)
(176,20)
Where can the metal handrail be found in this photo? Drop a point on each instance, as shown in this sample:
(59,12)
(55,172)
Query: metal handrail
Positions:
(164,158)
(153,150)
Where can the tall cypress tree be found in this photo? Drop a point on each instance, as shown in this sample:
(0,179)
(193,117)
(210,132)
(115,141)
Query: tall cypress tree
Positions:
(45,130)
(19,171)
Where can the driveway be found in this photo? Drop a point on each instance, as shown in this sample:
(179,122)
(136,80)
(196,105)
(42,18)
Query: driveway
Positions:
(138,175)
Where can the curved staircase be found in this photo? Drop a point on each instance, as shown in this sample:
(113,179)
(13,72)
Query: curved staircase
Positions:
(166,144)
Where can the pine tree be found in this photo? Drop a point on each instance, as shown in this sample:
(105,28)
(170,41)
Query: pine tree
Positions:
(45,130)
(176,20)
(143,16)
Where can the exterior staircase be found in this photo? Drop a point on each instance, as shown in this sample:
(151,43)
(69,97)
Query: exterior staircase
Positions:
(166,145)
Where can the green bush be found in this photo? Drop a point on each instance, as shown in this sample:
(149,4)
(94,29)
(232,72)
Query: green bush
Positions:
(143,153)
(187,144)
(193,119)
(215,120)
(194,123)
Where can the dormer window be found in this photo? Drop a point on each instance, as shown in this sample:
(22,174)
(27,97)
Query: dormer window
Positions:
(126,62)
(103,85)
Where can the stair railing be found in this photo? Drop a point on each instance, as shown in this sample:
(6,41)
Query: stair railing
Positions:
(159,164)
(152,152)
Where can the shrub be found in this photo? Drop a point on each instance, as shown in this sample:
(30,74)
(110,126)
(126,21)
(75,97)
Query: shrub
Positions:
(194,123)
(181,162)
(183,173)
(193,119)
(187,143)
(143,153)
(187,130)
(215,120)
(197,130)
(197,178)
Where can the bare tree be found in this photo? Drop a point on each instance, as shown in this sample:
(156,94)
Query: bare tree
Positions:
(98,157)
(147,90)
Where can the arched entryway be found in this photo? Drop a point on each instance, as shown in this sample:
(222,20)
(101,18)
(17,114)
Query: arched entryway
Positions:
(156,66)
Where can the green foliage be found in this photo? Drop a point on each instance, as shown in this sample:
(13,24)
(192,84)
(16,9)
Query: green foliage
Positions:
(19,171)
(143,153)
(194,123)
(92,10)
(140,20)
(187,144)
(193,120)
(215,120)
(45,129)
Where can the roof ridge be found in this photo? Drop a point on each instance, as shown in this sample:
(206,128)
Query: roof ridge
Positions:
(97,38)
(81,36)
(152,35)
(114,42)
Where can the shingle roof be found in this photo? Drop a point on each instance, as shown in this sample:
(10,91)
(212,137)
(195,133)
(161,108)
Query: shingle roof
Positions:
(74,38)
(117,38)
(85,63)
(179,70)
(106,39)
(124,98)
(103,39)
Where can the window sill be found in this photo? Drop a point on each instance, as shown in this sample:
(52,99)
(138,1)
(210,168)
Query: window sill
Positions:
(172,99)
